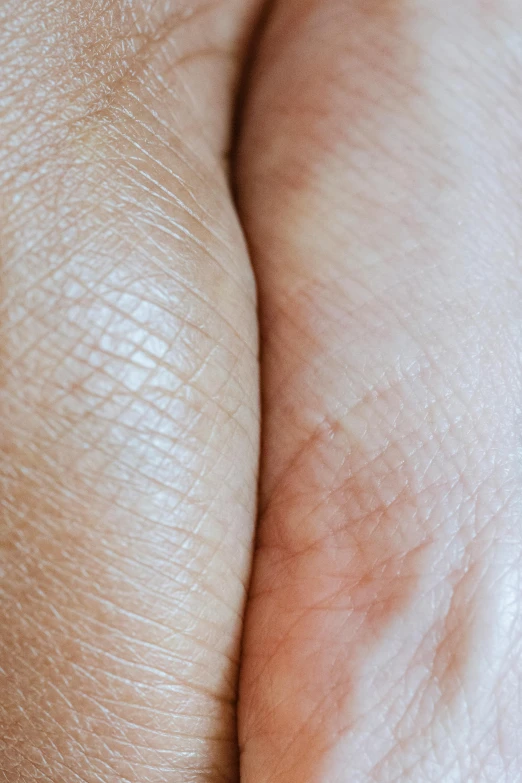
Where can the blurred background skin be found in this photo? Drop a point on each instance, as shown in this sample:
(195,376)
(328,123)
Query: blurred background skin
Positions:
(375,162)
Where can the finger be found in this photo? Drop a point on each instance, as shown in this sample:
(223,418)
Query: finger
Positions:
(378,179)
(128,392)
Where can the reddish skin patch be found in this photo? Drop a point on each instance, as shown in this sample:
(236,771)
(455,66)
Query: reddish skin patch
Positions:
(335,565)
(311,80)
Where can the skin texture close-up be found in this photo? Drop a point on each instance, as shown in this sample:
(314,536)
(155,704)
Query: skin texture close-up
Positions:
(379,183)
(260,295)
(129,392)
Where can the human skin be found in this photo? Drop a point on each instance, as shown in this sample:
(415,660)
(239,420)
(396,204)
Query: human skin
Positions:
(376,171)
(129,392)
(379,172)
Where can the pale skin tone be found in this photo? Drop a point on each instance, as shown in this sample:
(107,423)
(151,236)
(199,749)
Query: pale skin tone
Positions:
(294,565)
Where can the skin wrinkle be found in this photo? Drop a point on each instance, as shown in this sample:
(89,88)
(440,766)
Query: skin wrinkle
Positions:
(425,449)
(360,583)
(390,379)
(129,384)
(95,37)
(305,483)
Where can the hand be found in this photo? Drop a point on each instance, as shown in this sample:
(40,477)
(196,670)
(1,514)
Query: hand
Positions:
(377,180)
(129,393)
(380,177)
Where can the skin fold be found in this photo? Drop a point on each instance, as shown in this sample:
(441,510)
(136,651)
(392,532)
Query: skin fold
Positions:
(375,165)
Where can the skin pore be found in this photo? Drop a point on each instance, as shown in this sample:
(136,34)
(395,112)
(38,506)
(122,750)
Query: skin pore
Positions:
(370,629)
